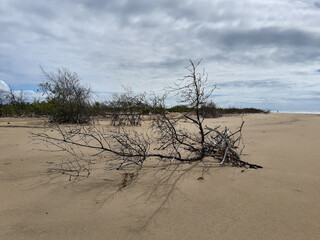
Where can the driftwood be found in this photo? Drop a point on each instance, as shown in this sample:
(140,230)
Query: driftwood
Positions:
(167,141)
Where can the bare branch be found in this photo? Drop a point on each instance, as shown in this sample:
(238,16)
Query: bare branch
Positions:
(167,138)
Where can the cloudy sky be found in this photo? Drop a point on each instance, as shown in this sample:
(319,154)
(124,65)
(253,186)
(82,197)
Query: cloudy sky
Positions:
(262,53)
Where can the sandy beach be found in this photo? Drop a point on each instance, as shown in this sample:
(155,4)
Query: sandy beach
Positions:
(279,201)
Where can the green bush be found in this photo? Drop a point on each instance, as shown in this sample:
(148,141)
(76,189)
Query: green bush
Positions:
(69,101)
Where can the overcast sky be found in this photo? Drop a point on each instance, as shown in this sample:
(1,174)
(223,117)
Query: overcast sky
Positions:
(261,53)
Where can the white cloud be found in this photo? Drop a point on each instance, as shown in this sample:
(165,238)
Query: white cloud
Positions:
(28,95)
(4,86)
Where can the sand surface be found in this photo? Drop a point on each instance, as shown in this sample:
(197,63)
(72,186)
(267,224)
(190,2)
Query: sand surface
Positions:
(280,201)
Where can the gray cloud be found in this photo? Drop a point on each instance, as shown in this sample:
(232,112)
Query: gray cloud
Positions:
(265,83)
(293,45)
(146,44)
(269,36)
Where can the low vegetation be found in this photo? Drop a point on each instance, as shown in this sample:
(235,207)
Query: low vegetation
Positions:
(68,101)
(50,108)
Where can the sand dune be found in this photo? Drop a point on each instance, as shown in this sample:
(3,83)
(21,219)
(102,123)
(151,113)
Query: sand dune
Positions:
(280,201)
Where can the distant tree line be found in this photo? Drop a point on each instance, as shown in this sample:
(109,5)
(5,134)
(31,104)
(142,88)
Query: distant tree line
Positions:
(68,101)
(50,108)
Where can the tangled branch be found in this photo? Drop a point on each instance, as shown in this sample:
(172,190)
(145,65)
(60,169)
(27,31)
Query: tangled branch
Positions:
(167,139)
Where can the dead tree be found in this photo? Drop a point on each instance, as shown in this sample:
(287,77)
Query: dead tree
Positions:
(209,110)
(170,140)
(16,100)
(127,108)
